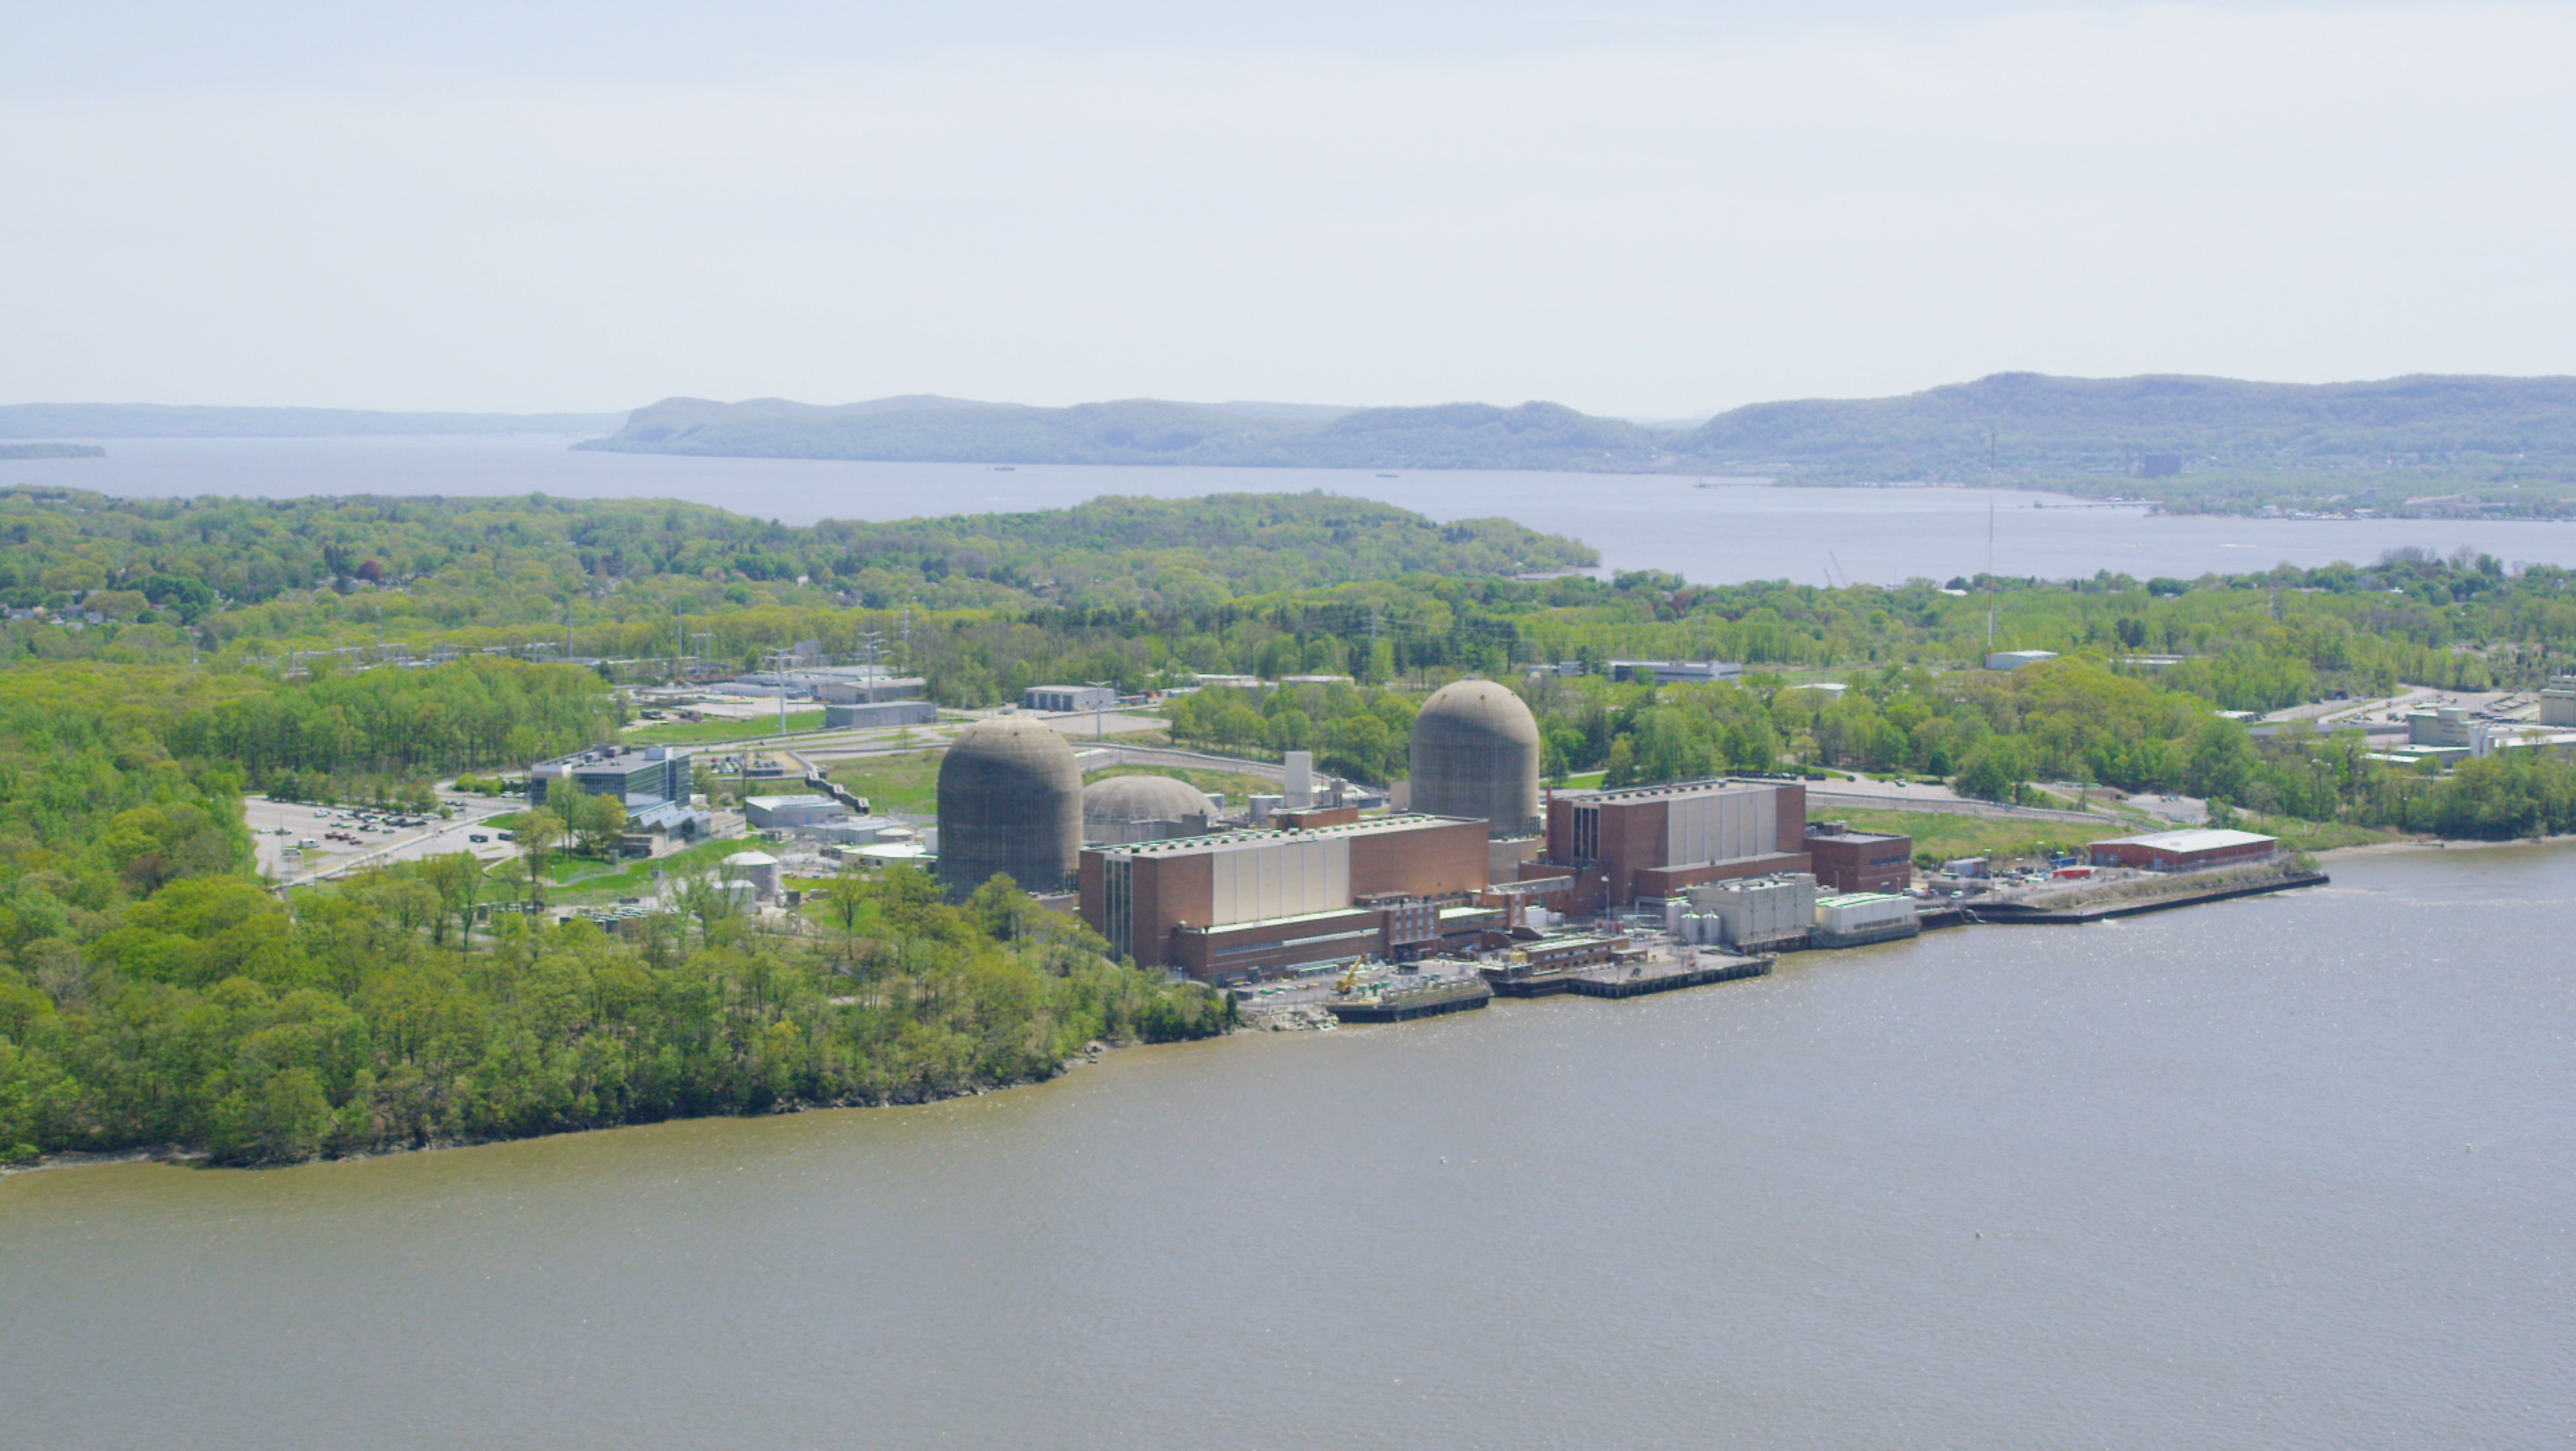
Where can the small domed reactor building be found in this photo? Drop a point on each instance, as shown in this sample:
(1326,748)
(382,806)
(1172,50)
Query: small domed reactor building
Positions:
(1010,800)
(1124,809)
(1475,753)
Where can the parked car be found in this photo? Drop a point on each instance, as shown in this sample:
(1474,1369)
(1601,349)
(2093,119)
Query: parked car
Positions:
(477,838)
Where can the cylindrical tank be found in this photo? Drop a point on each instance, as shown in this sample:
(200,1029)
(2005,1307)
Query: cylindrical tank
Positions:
(1475,753)
(1142,808)
(1010,801)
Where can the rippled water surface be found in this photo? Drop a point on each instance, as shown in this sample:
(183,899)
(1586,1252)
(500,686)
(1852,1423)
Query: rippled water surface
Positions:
(1736,530)
(2289,1172)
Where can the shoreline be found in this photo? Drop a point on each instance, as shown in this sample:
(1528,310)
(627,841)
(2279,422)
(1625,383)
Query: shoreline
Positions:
(1093,1053)
(203,1159)
(2419,844)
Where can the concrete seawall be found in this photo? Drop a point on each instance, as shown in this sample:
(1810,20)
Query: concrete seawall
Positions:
(2008,914)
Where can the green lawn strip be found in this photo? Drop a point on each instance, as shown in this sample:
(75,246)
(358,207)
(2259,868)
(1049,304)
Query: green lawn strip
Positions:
(705,732)
(2314,836)
(1942,836)
(907,783)
(634,878)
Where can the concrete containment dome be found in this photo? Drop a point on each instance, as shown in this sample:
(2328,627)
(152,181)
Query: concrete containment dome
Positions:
(1475,753)
(1010,800)
(1114,810)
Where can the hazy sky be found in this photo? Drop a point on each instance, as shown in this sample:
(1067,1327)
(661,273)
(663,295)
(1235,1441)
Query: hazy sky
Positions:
(1661,211)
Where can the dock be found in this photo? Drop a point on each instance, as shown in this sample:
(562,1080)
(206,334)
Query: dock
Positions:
(2013,913)
(1631,978)
(1634,980)
(1400,1003)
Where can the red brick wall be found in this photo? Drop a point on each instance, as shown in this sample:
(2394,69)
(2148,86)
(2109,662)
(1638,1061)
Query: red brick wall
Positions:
(1863,863)
(1436,859)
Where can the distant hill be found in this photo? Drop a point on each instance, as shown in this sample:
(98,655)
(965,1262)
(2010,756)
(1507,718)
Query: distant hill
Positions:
(2041,428)
(160,420)
(1148,431)
(2042,423)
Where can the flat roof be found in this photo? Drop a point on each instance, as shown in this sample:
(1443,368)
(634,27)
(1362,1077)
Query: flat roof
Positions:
(772,803)
(1854,899)
(1183,845)
(2208,838)
(616,755)
(1675,788)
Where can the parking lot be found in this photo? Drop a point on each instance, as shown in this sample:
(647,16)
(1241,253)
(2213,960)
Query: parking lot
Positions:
(280,827)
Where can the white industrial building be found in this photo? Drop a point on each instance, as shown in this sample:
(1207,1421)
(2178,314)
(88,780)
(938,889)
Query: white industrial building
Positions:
(1853,918)
(1064,699)
(1752,912)
(773,813)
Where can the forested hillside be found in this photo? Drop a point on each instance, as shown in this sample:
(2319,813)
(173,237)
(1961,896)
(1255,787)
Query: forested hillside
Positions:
(2415,445)
(2426,444)
(1147,431)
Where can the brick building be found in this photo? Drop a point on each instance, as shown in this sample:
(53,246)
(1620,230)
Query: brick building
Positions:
(1242,904)
(1659,841)
(2182,851)
(1859,861)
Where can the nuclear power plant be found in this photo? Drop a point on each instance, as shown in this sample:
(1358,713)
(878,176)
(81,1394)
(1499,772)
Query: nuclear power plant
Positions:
(1010,801)
(1475,754)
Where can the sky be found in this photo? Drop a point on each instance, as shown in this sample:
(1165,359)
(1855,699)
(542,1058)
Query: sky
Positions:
(1651,209)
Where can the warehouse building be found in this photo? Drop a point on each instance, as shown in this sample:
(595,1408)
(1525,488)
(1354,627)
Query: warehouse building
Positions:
(869,714)
(2183,851)
(1241,904)
(640,776)
(2015,659)
(1654,843)
(1859,861)
(1676,672)
(1065,698)
(779,813)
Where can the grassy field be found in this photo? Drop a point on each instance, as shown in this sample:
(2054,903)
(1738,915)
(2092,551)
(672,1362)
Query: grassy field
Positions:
(906,783)
(590,881)
(1941,835)
(2300,835)
(703,732)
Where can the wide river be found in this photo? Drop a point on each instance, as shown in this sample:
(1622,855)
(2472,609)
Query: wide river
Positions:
(2287,1172)
(1735,530)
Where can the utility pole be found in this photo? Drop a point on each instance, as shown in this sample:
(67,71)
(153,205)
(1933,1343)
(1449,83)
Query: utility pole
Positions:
(1990,541)
(778,661)
(1097,709)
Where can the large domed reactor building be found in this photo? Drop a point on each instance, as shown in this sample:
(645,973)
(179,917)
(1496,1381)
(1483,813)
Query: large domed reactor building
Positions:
(1010,800)
(1143,808)
(1475,753)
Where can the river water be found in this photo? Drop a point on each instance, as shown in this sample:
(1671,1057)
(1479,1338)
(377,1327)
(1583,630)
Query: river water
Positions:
(2286,1172)
(1734,531)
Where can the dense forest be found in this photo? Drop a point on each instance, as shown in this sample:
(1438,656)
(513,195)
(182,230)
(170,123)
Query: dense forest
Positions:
(153,992)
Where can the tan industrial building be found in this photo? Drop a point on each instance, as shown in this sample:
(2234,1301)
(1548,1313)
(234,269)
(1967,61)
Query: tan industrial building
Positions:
(1241,904)
(1656,842)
